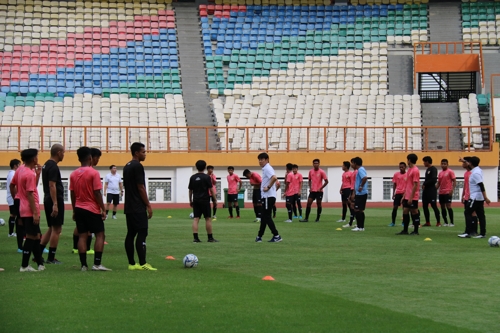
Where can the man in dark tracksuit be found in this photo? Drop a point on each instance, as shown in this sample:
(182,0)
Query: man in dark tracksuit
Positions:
(429,192)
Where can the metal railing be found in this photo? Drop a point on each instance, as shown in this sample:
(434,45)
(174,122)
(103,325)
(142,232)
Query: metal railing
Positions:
(473,47)
(246,139)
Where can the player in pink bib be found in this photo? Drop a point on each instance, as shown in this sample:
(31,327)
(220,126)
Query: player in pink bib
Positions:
(233,187)
(410,197)
(446,185)
(298,180)
(210,172)
(317,182)
(398,190)
(255,181)
(345,188)
(290,191)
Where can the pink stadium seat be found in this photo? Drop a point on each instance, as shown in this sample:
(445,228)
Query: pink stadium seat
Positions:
(129,24)
(130,30)
(87,57)
(146,24)
(96,49)
(105,50)
(70,55)
(121,24)
(70,63)
(113,42)
(52,70)
(155,25)
(130,36)
(155,31)
(137,24)
(147,31)
(112,24)
(87,50)
(24,77)
(34,69)
(242,8)
(137,38)
(35,48)
(226,7)
(170,13)
(210,9)
(5,83)
(105,42)
(162,25)
(170,25)
(61,49)
(234,8)
(24,69)
(122,44)
(26,48)
(170,19)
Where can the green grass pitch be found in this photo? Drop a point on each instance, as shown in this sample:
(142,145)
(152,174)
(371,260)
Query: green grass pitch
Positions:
(325,280)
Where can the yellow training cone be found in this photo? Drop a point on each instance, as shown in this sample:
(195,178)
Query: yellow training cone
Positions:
(339,229)
(169,217)
(427,239)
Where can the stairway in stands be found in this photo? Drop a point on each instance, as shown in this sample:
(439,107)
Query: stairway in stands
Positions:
(197,103)
(441,114)
(445,21)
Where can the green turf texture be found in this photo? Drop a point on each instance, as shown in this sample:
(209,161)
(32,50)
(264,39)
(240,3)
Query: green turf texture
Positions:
(325,280)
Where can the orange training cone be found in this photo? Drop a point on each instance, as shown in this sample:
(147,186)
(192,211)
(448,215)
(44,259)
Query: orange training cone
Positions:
(169,258)
(268,278)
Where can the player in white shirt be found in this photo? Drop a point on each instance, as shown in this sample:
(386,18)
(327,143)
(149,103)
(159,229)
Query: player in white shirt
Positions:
(113,188)
(268,194)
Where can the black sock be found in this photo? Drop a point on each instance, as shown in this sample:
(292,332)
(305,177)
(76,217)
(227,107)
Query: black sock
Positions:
(394,214)
(450,214)
(445,218)
(300,211)
(210,236)
(344,211)
(89,242)
(114,213)
(195,235)
(12,224)
(289,210)
(351,218)
(406,222)
(308,211)
(238,211)
(42,247)
(75,242)
(20,236)
(129,247)
(107,211)
(474,224)
(37,252)
(318,213)
(416,222)
(97,258)
(52,253)
(83,259)
(140,246)
(230,211)
(28,247)
(360,220)
(215,211)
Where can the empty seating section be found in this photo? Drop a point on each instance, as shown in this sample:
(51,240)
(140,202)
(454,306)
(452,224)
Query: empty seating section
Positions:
(54,113)
(314,2)
(469,116)
(351,115)
(481,22)
(310,66)
(61,62)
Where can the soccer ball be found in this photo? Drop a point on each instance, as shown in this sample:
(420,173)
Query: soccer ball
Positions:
(2,222)
(191,216)
(494,241)
(190,261)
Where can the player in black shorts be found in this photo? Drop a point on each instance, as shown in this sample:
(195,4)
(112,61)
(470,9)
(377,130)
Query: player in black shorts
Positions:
(410,197)
(200,185)
(137,209)
(255,181)
(53,201)
(429,192)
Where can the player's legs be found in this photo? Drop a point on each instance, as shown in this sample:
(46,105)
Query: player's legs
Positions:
(257,205)
(425,206)
(406,218)
(359,206)
(237,207)
(196,220)
(299,204)
(415,216)
(310,200)
(395,206)
(289,207)
(208,221)
(20,234)
(479,210)
(443,211)
(116,201)
(12,220)
(32,243)
(137,225)
(436,212)
(450,212)
(344,209)
(319,209)
(129,243)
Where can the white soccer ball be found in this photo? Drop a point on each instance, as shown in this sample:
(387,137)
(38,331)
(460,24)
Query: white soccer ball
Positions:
(190,261)
(2,222)
(494,241)
(191,216)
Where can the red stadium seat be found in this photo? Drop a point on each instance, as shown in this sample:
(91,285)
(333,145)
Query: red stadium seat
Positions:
(155,31)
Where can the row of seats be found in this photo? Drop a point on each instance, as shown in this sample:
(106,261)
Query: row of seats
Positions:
(469,116)
(339,75)
(355,112)
(312,2)
(481,22)
(251,28)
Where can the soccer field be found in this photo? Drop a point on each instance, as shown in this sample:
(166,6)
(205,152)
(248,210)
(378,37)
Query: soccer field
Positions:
(325,280)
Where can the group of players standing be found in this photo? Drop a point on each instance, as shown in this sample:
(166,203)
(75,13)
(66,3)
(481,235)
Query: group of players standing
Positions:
(439,187)
(89,211)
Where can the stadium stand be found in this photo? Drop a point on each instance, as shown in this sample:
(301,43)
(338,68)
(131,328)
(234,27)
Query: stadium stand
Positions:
(89,64)
(481,22)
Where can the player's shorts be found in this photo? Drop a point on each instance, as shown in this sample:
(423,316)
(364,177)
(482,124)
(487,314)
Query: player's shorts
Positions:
(315,195)
(30,227)
(397,200)
(87,221)
(232,198)
(360,201)
(444,198)
(429,197)
(137,221)
(59,219)
(296,198)
(14,209)
(346,193)
(115,198)
(290,199)
(410,204)
(256,196)
(202,208)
